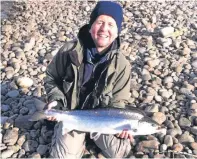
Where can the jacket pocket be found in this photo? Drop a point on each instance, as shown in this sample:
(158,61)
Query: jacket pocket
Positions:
(67,86)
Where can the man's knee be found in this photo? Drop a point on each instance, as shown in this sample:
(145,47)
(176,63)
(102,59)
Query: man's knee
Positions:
(70,145)
(113,147)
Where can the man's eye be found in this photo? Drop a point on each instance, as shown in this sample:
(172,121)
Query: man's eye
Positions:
(111,25)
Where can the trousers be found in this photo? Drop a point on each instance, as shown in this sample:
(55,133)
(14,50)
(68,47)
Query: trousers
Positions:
(72,144)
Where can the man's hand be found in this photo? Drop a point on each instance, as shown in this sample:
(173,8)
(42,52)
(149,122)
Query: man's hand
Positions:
(125,135)
(50,106)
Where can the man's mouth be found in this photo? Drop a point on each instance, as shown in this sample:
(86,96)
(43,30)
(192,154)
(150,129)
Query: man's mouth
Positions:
(102,36)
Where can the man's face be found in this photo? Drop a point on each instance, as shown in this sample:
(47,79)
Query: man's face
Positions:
(104,31)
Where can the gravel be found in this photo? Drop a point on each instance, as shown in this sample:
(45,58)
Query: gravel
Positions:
(159,40)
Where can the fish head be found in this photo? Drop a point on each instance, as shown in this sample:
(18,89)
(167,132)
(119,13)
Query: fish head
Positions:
(147,126)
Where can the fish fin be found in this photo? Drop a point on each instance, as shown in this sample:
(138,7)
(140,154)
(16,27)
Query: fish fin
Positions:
(65,129)
(37,116)
(94,135)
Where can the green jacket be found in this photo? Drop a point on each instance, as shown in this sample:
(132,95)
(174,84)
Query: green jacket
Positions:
(65,72)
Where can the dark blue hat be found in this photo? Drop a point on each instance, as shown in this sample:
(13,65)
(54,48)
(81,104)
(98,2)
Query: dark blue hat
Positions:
(108,8)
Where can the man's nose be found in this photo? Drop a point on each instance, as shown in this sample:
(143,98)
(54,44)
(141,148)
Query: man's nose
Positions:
(104,27)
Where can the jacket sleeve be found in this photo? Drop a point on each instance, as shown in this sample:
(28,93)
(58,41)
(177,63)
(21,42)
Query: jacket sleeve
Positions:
(54,78)
(121,91)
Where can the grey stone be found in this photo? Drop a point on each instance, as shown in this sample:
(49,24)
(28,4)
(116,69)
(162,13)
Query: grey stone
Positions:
(168,79)
(30,146)
(34,155)
(169,124)
(145,146)
(194,130)
(24,111)
(5,108)
(28,46)
(163,147)
(13,94)
(184,122)
(23,122)
(168,140)
(186,138)
(174,132)
(194,64)
(21,153)
(42,149)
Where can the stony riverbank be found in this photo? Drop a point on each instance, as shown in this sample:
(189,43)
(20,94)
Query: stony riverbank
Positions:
(160,41)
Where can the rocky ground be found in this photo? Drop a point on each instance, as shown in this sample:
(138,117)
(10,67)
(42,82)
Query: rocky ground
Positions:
(159,40)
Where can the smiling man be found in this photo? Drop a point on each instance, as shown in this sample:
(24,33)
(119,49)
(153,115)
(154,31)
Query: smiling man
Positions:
(88,73)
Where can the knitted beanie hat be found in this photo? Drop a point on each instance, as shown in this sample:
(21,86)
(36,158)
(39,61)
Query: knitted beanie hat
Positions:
(108,8)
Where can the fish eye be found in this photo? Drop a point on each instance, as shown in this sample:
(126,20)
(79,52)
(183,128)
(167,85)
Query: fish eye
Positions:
(134,130)
(154,125)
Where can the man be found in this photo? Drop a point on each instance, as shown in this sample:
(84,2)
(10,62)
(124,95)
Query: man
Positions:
(87,73)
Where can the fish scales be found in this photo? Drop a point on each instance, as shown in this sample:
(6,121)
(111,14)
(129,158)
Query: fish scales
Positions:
(109,112)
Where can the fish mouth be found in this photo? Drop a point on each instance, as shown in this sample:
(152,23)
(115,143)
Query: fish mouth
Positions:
(161,127)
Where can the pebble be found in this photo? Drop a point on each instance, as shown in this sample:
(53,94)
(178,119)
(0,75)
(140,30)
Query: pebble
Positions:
(13,94)
(30,44)
(19,122)
(167,31)
(169,124)
(174,132)
(168,79)
(21,153)
(163,147)
(194,64)
(42,149)
(24,111)
(159,117)
(24,82)
(153,108)
(168,141)
(7,153)
(11,136)
(21,140)
(30,145)
(194,130)
(193,145)
(163,67)
(145,145)
(34,155)
(177,147)
(5,108)
(185,138)
(184,122)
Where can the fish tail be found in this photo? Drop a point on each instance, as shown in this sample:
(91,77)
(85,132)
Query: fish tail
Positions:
(37,116)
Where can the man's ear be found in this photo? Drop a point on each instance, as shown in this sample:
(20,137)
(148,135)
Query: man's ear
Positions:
(90,30)
(89,27)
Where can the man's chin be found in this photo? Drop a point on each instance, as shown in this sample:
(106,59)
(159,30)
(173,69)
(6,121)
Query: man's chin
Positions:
(102,44)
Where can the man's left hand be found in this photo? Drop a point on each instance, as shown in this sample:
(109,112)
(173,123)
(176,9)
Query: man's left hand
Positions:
(125,135)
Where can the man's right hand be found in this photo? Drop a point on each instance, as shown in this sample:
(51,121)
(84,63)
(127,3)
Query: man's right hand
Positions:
(50,106)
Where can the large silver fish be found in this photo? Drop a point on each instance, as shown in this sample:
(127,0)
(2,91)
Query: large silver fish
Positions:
(103,121)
